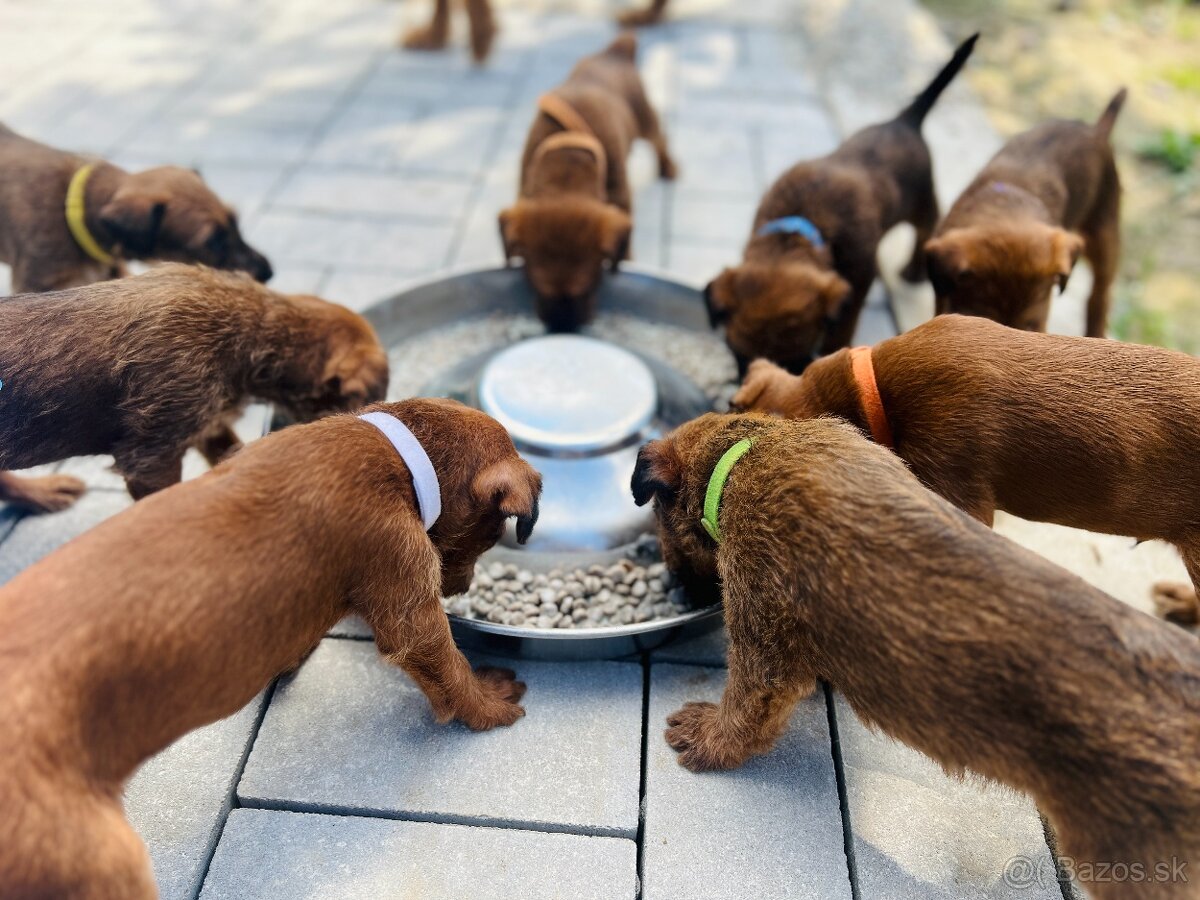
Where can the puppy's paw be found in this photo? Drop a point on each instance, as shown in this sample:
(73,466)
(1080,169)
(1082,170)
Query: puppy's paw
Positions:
(1176,602)
(500,706)
(424,38)
(637,18)
(483,34)
(695,734)
(667,169)
(49,493)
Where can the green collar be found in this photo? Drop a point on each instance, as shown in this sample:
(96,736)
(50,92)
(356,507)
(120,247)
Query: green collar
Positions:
(716,484)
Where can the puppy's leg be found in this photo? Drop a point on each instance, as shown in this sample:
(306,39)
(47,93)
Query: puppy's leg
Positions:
(845,322)
(219,444)
(483,28)
(147,477)
(434,35)
(649,15)
(924,219)
(1103,248)
(47,493)
(1180,603)
(650,128)
(768,676)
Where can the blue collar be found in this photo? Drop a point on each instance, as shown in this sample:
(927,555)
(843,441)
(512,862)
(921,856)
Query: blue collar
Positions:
(794,225)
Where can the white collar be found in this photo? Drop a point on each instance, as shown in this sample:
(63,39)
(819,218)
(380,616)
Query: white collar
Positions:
(425,480)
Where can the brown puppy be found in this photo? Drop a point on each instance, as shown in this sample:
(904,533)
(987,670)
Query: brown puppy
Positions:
(1097,435)
(434,35)
(108,657)
(166,213)
(837,564)
(144,368)
(1050,194)
(810,259)
(651,14)
(573,213)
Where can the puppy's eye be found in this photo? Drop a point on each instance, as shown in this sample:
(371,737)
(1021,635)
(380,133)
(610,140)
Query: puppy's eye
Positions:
(218,243)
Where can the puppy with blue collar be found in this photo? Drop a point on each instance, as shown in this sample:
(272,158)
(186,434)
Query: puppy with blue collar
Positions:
(178,611)
(810,259)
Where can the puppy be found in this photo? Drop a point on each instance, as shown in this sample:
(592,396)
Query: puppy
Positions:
(1097,435)
(144,368)
(810,259)
(572,216)
(1014,235)
(434,35)
(651,14)
(238,574)
(67,221)
(835,563)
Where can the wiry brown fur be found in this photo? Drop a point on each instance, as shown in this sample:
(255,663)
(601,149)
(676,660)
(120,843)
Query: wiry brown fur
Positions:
(145,367)
(837,564)
(107,656)
(167,213)
(790,300)
(434,35)
(570,220)
(1097,435)
(1049,195)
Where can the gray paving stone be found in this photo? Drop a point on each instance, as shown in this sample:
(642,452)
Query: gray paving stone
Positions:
(178,799)
(38,536)
(351,733)
(360,289)
(712,160)
(422,197)
(712,218)
(367,134)
(921,835)
(697,263)
(770,829)
(266,854)
(344,241)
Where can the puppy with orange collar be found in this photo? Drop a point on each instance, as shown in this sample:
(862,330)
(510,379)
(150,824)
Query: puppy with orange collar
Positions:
(178,611)
(1097,435)
(572,217)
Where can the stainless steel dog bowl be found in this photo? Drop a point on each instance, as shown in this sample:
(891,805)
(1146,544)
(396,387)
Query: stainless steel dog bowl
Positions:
(578,408)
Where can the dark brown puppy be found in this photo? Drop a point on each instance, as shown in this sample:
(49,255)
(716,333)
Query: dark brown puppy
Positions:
(107,656)
(1050,194)
(837,564)
(1097,435)
(434,35)
(144,368)
(166,214)
(650,14)
(810,259)
(572,216)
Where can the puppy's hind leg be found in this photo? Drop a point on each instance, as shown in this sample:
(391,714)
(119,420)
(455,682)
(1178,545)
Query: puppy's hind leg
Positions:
(432,36)
(1102,247)
(47,493)
(768,676)
(219,444)
(650,128)
(1180,603)
(924,219)
(651,14)
(483,28)
(148,477)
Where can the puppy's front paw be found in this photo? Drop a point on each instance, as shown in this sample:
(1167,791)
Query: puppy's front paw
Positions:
(501,695)
(695,734)
(424,38)
(1176,602)
(49,493)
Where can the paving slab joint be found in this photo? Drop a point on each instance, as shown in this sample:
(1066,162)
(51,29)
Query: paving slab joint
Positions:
(835,748)
(641,829)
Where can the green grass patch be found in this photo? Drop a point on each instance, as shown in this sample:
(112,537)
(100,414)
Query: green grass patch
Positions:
(1177,150)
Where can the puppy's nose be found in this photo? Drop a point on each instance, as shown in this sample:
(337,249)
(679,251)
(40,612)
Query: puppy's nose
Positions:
(262,270)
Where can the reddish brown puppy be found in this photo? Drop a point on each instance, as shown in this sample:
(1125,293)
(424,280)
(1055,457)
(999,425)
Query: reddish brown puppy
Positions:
(108,655)
(1097,435)
(144,368)
(1014,235)
(836,564)
(66,220)
(810,259)
(434,35)
(572,217)
(650,14)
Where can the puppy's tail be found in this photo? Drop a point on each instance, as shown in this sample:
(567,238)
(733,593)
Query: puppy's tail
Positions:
(624,46)
(1104,125)
(914,114)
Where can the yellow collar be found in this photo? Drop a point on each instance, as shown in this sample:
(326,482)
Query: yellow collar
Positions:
(75,217)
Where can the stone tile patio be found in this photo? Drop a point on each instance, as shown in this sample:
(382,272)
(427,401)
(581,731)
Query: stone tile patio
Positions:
(358,169)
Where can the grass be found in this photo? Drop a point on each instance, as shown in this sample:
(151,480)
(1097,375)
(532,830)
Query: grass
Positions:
(1065,58)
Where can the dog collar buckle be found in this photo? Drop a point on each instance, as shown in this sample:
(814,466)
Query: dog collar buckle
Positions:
(794,225)
(76,217)
(716,486)
(425,480)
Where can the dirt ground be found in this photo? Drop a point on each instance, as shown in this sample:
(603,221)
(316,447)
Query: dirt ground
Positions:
(1040,59)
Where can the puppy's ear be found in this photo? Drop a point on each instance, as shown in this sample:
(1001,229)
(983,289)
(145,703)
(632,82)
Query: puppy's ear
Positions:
(1065,250)
(719,298)
(507,221)
(658,473)
(948,259)
(615,231)
(513,487)
(833,292)
(134,219)
(760,374)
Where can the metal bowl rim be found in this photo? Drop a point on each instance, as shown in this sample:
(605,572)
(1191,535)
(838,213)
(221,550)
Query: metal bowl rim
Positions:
(580,634)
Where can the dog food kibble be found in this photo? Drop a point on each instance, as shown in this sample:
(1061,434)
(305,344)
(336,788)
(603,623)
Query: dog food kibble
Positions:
(594,597)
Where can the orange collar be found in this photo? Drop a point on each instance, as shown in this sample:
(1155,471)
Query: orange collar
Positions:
(579,134)
(863,370)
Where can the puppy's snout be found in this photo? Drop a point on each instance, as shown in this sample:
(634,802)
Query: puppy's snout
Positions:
(260,268)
